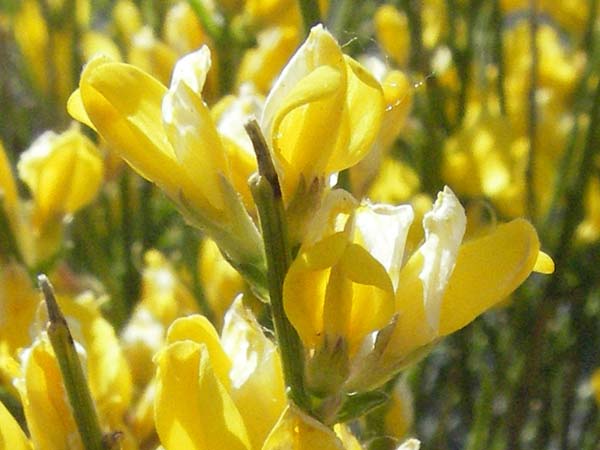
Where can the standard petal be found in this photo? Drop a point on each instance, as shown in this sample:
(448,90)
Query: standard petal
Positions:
(124,105)
(192,408)
(198,329)
(364,108)
(487,270)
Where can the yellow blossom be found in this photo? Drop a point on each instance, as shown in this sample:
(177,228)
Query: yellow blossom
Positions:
(209,389)
(320,86)
(353,259)
(170,138)
(63,173)
(392,32)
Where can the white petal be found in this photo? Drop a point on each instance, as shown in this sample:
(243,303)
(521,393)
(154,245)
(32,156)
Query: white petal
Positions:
(384,228)
(444,229)
(192,70)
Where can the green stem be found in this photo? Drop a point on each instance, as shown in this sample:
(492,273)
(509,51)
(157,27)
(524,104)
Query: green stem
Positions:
(269,203)
(310,14)
(70,367)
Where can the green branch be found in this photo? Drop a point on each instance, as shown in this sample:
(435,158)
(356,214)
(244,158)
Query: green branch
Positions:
(266,192)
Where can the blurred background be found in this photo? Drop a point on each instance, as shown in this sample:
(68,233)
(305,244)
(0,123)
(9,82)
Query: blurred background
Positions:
(498,99)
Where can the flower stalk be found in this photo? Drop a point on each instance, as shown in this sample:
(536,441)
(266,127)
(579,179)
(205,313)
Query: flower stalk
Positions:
(76,385)
(266,192)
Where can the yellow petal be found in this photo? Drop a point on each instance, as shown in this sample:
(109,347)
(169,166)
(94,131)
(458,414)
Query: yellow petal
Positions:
(297,431)
(305,285)
(193,409)
(124,105)
(544,263)
(77,110)
(256,375)
(44,399)
(364,107)
(198,329)
(11,435)
(196,142)
(487,270)
(18,303)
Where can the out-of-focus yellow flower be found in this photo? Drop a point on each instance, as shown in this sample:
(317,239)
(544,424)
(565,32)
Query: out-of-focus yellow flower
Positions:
(392,32)
(48,46)
(435,22)
(151,55)
(18,302)
(320,86)
(589,229)
(571,14)
(338,288)
(261,64)
(164,298)
(182,29)
(221,283)
(127,19)
(63,173)
(265,13)
(395,183)
(169,137)
(31,34)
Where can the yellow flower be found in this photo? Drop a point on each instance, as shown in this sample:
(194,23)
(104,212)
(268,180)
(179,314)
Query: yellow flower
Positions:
(18,303)
(392,32)
(209,391)
(49,416)
(63,173)
(322,114)
(261,64)
(169,137)
(595,384)
(340,287)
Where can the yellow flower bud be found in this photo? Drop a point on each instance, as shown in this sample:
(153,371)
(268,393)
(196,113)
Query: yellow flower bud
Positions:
(63,173)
